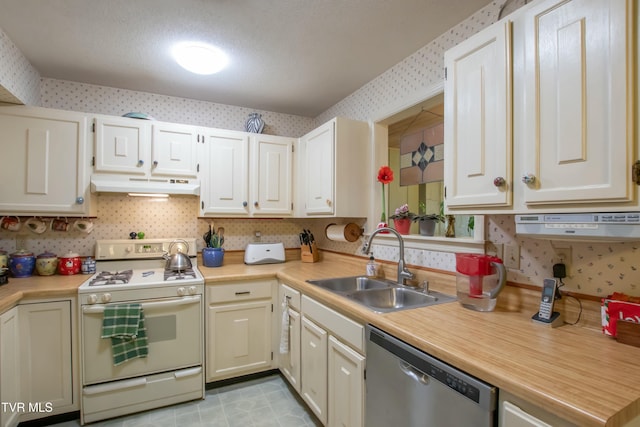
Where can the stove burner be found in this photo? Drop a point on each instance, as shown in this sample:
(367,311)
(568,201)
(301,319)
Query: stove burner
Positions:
(179,275)
(108,278)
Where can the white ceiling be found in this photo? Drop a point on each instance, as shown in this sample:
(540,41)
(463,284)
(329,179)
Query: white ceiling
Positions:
(289,56)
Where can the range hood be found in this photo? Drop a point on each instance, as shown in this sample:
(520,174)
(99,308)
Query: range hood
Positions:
(612,227)
(127,184)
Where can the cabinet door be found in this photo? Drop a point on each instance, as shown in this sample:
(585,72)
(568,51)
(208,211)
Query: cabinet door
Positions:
(238,339)
(9,367)
(318,168)
(313,374)
(46,167)
(271,175)
(290,361)
(122,145)
(225,186)
(346,385)
(513,416)
(578,102)
(478,137)
(46,358)
(173,150)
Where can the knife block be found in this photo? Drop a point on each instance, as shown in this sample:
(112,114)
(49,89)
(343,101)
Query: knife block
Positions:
(307,255)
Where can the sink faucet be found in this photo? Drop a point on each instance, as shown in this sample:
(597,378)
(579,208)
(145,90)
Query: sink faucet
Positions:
(403,273)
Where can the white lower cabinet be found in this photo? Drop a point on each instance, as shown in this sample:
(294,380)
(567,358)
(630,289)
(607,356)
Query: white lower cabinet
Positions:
(332,365)
(346,385)
(238,329)
(313,354)
(9,367)
(516,412)
(46,362)
(37,374)
(289,354)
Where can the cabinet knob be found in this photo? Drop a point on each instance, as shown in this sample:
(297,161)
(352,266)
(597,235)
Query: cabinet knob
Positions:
(155,163)
(529,179)
(499,181)
(140,163)
(328,202)
(255,204)
(245,204)
(79,200)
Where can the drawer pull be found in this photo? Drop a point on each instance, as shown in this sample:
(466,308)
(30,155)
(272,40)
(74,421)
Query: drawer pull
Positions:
(243,293)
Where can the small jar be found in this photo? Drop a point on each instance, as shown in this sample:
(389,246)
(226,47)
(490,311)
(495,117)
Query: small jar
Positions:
(69,264)
(4,259)
(4,276)
(46,263)
(22,263)
(88,265)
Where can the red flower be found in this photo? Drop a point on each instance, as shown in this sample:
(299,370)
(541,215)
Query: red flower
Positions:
(385,175)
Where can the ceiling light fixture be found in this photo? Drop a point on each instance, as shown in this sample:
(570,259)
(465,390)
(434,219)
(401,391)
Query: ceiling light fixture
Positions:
(200,58)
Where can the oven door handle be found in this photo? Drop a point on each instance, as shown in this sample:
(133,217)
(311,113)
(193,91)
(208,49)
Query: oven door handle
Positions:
(99,308)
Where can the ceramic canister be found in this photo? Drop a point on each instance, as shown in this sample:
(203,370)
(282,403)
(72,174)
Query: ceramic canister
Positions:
(4,259)
(22,263)
(69,264)
(46,263)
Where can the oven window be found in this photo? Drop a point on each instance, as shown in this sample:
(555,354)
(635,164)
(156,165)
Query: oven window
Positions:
(161,328)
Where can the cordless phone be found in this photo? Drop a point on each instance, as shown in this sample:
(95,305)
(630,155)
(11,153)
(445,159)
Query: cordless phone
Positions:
(549,287)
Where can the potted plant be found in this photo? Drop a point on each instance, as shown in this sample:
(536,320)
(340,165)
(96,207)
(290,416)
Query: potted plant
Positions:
(402,219)
(427,222)
(213,254)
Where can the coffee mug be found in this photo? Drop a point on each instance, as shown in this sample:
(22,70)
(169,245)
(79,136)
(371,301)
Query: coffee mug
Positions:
(59,224)
(83,225)
(11,223)
(37,225)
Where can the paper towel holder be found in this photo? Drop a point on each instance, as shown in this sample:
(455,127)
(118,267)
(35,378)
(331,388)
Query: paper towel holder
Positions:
(349,232)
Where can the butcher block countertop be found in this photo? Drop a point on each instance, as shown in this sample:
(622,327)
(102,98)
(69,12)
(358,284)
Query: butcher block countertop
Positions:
(572,371)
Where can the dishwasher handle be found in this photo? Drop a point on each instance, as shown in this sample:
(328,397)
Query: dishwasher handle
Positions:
(413,373)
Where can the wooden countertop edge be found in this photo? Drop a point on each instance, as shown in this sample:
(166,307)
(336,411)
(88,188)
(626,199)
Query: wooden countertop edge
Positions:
(295,273)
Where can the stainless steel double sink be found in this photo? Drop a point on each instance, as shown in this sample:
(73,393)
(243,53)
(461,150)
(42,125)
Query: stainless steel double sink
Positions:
(381,295)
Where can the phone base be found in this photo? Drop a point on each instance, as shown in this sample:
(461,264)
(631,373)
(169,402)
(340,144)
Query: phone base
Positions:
(554,321)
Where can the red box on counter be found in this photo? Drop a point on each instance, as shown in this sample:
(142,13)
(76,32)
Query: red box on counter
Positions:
(613,310)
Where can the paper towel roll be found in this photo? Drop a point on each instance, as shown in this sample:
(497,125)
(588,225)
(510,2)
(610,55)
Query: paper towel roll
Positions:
(343,233)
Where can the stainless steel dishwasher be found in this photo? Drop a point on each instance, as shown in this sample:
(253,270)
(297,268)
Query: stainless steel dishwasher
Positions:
(408,388)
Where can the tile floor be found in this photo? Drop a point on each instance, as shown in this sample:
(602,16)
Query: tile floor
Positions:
(266,401)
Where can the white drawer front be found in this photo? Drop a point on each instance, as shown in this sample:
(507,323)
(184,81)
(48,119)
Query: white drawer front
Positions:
(340,326)
(239,291)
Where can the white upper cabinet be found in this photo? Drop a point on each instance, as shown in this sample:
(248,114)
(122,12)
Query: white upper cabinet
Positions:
(271,175)
(572,115)
(48,162)
(246,174)
(173,150)
(225,178)
(577,105)
(334,170)
(122,145)
(478,119)
(144,148)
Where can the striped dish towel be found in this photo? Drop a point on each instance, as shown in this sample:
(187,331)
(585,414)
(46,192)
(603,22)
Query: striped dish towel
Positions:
(124,325)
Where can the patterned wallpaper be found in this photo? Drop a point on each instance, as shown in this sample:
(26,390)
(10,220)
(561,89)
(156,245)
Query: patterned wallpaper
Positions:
(88,98)
(19,81)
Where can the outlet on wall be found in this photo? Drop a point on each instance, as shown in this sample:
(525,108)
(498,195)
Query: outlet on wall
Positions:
(511,255)
(563,255)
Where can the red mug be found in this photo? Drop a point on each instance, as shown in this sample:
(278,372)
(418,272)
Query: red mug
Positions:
(11,223)
(59,225)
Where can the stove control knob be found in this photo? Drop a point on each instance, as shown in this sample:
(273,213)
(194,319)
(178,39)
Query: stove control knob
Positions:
(182,291)
(106,297)
(192,290)
(92,299)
